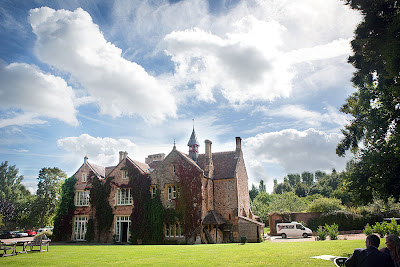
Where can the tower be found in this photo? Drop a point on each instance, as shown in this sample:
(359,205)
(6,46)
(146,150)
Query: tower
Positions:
(193,145)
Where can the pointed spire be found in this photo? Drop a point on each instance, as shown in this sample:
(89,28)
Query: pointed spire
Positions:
(193,145)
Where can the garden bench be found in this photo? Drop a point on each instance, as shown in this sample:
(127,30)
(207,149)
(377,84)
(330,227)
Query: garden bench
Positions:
(4,247)
(22,244)
(42,242)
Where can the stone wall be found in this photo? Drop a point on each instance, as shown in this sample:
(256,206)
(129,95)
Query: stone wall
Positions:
(243,188)
(225,197)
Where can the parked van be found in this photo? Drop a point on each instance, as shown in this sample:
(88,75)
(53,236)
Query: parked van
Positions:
(293,229)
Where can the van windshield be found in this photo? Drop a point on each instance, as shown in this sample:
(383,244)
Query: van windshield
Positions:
(301,227)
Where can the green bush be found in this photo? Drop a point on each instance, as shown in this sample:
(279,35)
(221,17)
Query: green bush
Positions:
(325,205)
(393,228)
(345,219)
(332,230)
(381,228)
(321,234)
(368,230)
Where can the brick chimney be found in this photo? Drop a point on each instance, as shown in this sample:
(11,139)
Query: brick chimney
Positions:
(209,166)
(238,146)
(121,155)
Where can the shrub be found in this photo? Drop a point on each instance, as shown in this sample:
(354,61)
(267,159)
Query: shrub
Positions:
(321,234)
(346,219)
(368,230)
(380,228)
(325,205)
(393,228)
(332,230)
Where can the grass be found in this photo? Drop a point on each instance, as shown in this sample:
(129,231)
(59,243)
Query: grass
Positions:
(250,254)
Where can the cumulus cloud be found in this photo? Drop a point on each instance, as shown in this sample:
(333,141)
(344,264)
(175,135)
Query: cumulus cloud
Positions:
(307,117)
(102,151)
(296,151)
(253,54)
(73,44)
(29,94)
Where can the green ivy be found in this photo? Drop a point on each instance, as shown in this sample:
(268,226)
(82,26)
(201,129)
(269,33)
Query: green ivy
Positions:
(99,193)
(65,212)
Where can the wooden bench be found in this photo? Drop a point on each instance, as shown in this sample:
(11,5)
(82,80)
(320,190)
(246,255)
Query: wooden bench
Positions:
(41,242)
(4,247)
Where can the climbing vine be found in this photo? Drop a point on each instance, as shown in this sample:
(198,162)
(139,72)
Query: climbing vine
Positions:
(147,213)
(65,212)
(103,214)
(189,202)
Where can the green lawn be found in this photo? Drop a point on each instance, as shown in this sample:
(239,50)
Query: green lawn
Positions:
(250,254)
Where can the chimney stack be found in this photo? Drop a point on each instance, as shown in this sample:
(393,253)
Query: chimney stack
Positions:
(85,159)
(125,154)
(121,156)
(208,148)
(238,144)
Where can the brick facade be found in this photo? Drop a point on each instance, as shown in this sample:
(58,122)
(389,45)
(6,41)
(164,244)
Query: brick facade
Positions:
(224,193)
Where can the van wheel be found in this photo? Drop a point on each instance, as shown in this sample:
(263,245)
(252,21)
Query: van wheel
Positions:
(284,236)
(305,235)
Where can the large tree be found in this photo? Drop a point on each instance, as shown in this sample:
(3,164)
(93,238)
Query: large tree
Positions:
(48,192)
(375,106)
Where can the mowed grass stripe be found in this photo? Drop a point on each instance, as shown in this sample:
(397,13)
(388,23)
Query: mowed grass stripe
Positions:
(250,254)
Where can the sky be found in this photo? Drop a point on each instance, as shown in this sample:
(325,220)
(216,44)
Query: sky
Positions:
(92,78)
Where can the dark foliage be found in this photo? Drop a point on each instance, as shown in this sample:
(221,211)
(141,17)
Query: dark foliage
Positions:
(99,193)
(63,219)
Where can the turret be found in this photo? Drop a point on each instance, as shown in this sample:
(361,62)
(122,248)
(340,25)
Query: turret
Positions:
(193,145)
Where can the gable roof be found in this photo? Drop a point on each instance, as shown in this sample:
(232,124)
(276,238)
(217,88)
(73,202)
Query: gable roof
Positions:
(100,171)
(141,166)
(225,164)
(213,218)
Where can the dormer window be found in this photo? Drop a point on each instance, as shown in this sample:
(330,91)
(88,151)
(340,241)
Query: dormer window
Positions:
(124,174)
(84,177)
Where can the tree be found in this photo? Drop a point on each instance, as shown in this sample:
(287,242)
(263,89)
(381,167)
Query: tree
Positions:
(253,192)
(286,202)
(319,174)
(10,182)
(324,204)
(262,187)
(260,206)
(307,178)
(293,179)
(375,105)
(301,190)
(282,188)
(48,192)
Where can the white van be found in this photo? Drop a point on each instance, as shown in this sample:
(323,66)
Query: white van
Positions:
(293,229)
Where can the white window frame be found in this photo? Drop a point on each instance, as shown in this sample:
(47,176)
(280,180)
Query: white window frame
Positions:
(84,177)
(82,198)
(173,192)
(118,230)
(124,174)
(80,228)
(124,197)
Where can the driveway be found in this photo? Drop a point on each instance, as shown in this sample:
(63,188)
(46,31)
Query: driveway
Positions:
(312,238)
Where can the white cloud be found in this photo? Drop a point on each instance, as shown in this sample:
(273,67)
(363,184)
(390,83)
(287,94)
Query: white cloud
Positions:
(296,151)
(253,53)
(101,151)
(72,43)
(34,94)
(307,117)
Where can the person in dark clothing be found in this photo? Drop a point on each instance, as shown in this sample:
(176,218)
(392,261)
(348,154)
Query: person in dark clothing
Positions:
(370,256)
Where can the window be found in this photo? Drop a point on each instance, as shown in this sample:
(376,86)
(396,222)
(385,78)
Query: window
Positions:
(124,197)
(84,177)
(153,191)
(82,198)
(80,226)
(173,192)
(122,228)
(174,230)
(124,174)
(173,168)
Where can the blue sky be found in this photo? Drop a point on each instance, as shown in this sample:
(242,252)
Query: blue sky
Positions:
(95,77)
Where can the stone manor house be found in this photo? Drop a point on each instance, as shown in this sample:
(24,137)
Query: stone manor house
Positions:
(226,215)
